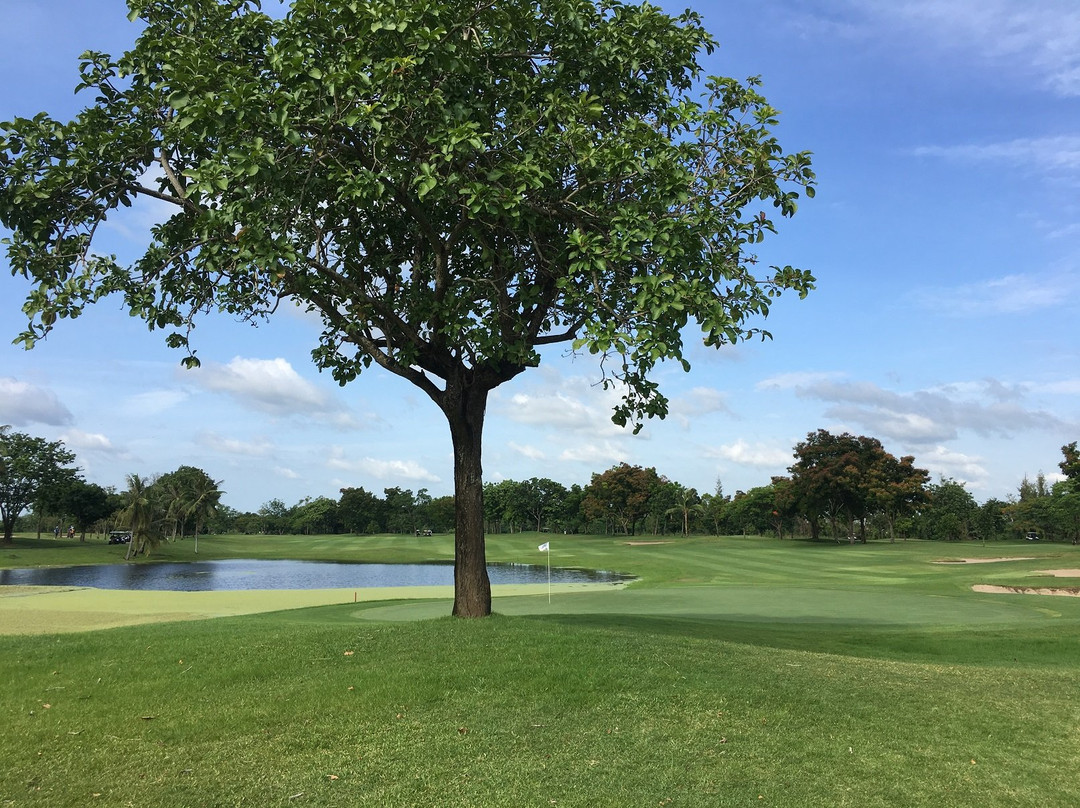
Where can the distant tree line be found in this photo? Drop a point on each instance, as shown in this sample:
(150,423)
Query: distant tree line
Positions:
(839,487)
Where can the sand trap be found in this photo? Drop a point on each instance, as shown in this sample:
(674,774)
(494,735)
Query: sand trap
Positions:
(1069,592)
(643,543)
(982,560)
(1061,573)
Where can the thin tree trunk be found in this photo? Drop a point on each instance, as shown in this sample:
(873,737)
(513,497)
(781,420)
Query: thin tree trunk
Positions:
(464,406)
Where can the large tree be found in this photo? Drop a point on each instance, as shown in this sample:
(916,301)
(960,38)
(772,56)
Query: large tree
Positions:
(86,503)
(620,496)
(450,185)
(29,468)
(854,477)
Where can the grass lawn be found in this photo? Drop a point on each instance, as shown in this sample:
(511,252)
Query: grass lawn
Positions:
(736,672)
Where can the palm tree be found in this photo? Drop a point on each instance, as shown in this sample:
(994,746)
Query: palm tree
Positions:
(687,501)
(203,498)
(174,500)
(138,515)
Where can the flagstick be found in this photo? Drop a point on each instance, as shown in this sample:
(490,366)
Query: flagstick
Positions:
(546,549)
(549,575)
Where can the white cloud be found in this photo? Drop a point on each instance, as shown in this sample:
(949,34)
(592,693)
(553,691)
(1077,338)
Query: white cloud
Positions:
(757,455)
(287,473)
(1008,295)
(87,442)
(556,410)
(566,404)
(258,447)
(1036,38)
(154,402)
(408,470)
(1053,155)
(274,387)
(22,403)
(698,402)
(594,453)
(792,381)
(942,462)
(1067,387)
(530,452)
(930,416)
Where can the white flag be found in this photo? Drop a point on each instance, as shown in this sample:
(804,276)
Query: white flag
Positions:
(545,547)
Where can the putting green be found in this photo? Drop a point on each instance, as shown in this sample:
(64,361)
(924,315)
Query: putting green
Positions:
(48,610)
(772,604)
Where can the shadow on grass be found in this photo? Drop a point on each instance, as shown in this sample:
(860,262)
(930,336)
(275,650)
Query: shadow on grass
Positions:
(1021,647)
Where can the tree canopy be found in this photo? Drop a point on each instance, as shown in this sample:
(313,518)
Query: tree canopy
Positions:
(29,467)
(449,185)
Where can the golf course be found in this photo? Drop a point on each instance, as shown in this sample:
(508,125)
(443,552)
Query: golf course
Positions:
(733,671)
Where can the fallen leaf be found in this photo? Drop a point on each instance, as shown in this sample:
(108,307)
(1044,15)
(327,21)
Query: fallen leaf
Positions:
(333,777)
(49,707)
(349,653)
(463,730)
(147,717)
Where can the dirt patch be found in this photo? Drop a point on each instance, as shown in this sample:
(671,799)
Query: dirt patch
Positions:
(981,560)
(1061,573)
(1067,591)
(643,543)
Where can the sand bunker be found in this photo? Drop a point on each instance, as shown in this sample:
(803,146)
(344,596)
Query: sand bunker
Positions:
(1070,591)
(982,560)
(643,543)
(1061,573)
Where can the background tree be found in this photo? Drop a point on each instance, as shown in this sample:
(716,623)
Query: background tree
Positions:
(1033,511)
(687,502)
(441,513)
(314,516)
(29,467)
(824,478)
(992,520)
(753,511)
(844,477)
(950,513)
(620,496)
(400,505)
(357,509)
(896,488)
(274,516)
(570,517)
(502,510)
(86,504)
(1070,465)
(540,499)
(449,185)
(714,506)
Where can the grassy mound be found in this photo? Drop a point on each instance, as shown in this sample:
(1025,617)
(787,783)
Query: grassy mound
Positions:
(737,672)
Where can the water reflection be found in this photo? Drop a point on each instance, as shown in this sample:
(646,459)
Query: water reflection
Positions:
(202,576)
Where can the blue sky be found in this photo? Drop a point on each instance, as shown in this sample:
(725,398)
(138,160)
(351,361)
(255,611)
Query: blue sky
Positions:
(945,237)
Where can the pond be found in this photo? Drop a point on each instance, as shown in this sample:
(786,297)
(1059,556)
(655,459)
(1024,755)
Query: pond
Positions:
(202,576)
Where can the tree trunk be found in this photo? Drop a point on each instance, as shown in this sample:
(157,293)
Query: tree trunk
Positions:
(464,406)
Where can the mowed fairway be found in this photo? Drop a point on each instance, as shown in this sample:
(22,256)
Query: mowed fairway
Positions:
(734,672)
